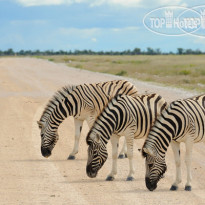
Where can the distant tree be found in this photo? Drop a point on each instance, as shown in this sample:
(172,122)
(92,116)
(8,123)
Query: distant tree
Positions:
(189,51)
(9,52)
(136,51)
(21,52)
(171,53)
(158,51)
(180,51)
(198,51)
(150,51)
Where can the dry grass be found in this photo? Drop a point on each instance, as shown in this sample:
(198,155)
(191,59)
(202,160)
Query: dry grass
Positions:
(185,71)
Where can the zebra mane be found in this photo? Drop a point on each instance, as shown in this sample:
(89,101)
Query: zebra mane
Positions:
(56,98)
(99,115)
(115,97)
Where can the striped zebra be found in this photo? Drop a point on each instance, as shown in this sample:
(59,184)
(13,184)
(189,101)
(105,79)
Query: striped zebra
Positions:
(182,121)
(126,116)
(83,102)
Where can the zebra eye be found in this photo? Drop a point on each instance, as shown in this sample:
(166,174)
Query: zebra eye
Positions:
(88,142)
(150,165)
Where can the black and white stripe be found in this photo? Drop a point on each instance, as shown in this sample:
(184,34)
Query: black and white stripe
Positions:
(83,102)
(182,121)
(126,116)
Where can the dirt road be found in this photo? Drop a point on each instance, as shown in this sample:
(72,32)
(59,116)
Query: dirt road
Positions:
(26,177)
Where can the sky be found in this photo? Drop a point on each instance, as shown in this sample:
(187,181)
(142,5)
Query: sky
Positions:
(98,25)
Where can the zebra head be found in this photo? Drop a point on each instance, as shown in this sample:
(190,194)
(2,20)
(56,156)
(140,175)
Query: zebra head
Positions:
(97,154)
(49,138)
(155,168)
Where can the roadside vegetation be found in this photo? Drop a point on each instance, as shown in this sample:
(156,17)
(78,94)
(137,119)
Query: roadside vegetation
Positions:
(182,71)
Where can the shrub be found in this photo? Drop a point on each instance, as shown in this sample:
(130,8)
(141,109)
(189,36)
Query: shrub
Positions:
(184,72)
(122,73)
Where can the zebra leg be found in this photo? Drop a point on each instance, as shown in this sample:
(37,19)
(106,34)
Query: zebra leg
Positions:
(114,142)
(78,128)
(123,152)
(130,142)
(176,151)
(188,157)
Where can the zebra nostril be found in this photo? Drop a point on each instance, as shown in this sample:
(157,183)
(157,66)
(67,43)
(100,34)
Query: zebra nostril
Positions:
(151,186)
(90,171)
(45,152)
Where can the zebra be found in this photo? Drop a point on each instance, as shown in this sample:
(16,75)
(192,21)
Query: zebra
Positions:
(83,102)
(182,121)
(126,116)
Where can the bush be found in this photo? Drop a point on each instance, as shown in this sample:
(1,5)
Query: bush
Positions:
(184,72)
(122,73)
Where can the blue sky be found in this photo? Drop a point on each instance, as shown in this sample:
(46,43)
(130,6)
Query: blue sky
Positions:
(86,24)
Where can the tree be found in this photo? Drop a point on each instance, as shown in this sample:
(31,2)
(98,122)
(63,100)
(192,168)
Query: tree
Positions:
(136,51)
(150,51)
(158,51)
(180,51)
(9,52)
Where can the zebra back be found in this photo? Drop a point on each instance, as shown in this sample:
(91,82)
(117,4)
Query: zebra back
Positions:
(84,100)
(182,119)
(127,115)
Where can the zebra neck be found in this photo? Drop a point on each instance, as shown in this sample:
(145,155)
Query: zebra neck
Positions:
(54,113)
(160,136)
(105,128)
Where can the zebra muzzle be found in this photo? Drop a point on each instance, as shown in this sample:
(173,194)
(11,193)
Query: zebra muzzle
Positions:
(90,172)
(150,185)
(45,152)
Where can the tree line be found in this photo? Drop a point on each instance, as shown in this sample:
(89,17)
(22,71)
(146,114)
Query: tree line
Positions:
(136,51)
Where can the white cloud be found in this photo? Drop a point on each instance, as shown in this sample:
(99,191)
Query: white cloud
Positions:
(170,2)
(125,3)
(28,22)
(200,40)
(43,2)
(84,32)
(90,32)
(93,3)
(94,40)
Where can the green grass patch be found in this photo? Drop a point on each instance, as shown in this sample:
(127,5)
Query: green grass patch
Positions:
(122,73)
(183,71)
(79,66)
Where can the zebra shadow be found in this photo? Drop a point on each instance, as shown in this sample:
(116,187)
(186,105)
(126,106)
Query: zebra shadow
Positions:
(39,160)
(102,180)
(146,191)
(89,181)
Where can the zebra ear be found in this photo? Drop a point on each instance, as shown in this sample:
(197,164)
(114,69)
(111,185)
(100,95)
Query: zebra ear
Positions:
(97,138)
(88,140)
(147,151)
(40,124)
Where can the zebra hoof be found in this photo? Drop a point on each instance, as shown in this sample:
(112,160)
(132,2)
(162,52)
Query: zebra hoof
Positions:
(173,188)
(121,156)
(71,157)
(125,155)
(110,178)
(188,188)
(130,179)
